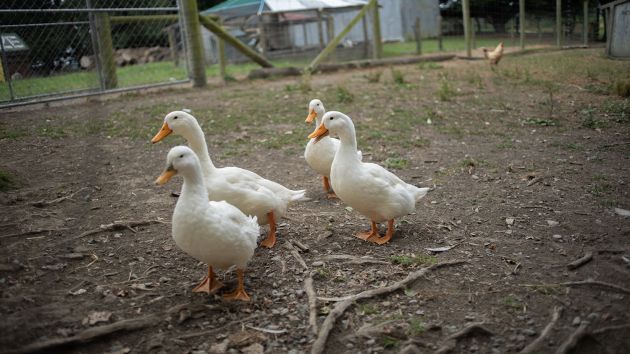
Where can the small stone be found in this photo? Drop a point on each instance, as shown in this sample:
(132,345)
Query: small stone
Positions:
(557,237)
(349,345)
(317,264)
(576,321)
(509,221)
(520,338)
(370,341)
(552,223)
(529,332)
(220,348)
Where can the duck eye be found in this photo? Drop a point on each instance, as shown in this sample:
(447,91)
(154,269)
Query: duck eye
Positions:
(175,117)
(181,156)
(331,118)
(318,105)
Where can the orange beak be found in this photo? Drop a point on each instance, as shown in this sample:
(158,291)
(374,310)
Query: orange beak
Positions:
(163,133)
(166,175)
(319,133)
(311,116)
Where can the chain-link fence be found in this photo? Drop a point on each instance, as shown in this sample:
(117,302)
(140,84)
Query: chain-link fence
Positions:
(75,47)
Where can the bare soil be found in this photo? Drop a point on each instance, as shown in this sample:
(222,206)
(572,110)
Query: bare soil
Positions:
(526,170)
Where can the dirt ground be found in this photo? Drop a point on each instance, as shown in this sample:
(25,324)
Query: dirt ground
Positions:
(527,164)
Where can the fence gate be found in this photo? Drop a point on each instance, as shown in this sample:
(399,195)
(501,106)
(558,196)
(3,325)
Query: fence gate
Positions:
(59,49)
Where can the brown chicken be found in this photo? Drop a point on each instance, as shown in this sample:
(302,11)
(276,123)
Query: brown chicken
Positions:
(494,56)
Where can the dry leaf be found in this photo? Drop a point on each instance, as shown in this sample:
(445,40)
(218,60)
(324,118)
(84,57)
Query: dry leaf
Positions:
(96,317)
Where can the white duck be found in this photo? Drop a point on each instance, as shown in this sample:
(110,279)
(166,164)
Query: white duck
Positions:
(215,233)
(320,156)
(366,187)
(246,190)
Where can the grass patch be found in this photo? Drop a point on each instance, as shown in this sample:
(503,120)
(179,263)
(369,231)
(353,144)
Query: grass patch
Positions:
(589,120)
(619,111)
(6,133)
(6,181)
(396,163)
(622,88)
(450,130)
(373,77)
(344,95)
(445,91)
(545,122)
(390,342)
(367,309)
(416,327)
(413,260)
(398,76)
(512,302)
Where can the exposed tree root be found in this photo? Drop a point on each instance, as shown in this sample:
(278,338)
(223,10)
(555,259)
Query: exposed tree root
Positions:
(91,334)
(118,225)
(312,303)
(596,282)
(451,341)
(580,261)
(533,346)
(339,308)
(573,339)
(45,203)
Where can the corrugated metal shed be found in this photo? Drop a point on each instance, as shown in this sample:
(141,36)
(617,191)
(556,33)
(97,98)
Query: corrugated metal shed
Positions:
(618,31)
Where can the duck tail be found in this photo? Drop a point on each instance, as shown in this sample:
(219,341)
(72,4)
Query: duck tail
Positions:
(421,192)
(298,196)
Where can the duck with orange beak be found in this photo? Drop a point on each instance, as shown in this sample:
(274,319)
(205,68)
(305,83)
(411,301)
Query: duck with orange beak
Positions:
(366,187)
(320,156)
(246,190)
(215,233)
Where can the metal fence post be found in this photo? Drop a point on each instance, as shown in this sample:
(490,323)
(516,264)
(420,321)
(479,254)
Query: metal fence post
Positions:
(418,34)
(439,34)
(468,38)
(195,43)
(330,33)
(521,22)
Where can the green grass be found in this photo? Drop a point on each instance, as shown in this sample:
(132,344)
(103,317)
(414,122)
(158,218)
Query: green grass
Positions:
(450,44)
(416,327)
(367,309)
(396,163)
(6,181)
(412,260)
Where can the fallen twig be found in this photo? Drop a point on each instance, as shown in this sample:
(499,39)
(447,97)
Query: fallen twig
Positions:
(534,181)
(118,225)
(300,245)
(596,282)
(92,333)
(573,339)
(354,259)
(296,255)
(611,328)
(339,308)
(267,330)
(533,346)
(218,329)
(32,232)
(312,303)
(45,203)
(580,261)
(451,341)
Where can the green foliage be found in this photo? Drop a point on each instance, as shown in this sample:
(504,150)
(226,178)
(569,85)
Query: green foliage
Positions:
(541,122)
(445,91)
(344,95)
(6,181)
(373,77)
(390,342)
(398,76)
(397,163)
(367,309)
(413,260)
(416,327)
(622,87)
(589,120)
(512,302)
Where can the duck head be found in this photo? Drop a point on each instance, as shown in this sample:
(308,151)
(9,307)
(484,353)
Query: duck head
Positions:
(180,159)
(335,123)
(315,110)
(178,122)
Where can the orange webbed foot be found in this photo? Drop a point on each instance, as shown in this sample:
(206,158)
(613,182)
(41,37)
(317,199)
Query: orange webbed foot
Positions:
(384,239)
(209,284)
(270,241)
(366,235)
(332,195)
(239,293)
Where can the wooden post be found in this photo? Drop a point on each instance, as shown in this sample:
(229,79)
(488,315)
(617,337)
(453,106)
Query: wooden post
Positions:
(366,39)
(320,28)
(418,34)
(330,33)
(521,22)
(231,40)
(467,37)
(331,46)
(305,34)
(172,44)
(376,24)
(262,36)
(194,42)
(222,58)
(473,34)
(585,25)
(558,23)
(106,51)
(439,34)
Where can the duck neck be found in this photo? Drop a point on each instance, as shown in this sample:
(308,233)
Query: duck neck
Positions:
(348,146)
(194,188)
(197,143)
(318,120)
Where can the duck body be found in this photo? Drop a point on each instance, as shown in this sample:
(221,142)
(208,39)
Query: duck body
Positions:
(366,187)
(215,233)
(244,189)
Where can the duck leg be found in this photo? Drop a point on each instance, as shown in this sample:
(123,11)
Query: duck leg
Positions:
(366,235)
(239,293)
(270,241)
(327,189)
(210,284)
(388,235)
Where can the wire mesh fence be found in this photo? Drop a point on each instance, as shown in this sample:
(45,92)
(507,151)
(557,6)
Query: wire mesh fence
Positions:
(73,47)
(53,48)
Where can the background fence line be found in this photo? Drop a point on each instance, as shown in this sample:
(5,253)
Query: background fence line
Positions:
(55,53)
